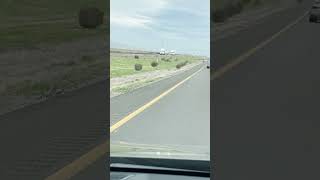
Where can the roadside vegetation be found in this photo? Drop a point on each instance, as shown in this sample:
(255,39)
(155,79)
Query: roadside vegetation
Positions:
(39,29)
(129,71)
(62,76)
(34,35)
(26,23)
(128,64)
(131,86)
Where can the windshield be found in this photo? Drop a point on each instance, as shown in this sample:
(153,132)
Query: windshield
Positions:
(159,80)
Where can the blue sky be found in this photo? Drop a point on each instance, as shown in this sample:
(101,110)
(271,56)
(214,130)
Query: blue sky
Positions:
(181,25)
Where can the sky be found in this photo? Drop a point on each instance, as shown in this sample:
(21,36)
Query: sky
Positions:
(180,25)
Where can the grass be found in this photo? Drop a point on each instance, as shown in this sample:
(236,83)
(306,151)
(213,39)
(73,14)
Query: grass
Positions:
(78,75)
(74,75)
(29,23)
(45,8)
(28,88)
(28,36)
(129,87)
(123,65)
(20,28)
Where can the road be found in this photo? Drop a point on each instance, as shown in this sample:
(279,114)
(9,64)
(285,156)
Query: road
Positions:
(266,109)
(38,140)
(182,117)
(41,139)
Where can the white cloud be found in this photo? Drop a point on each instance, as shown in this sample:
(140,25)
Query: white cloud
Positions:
(131,21)
(136,13)
(148,23)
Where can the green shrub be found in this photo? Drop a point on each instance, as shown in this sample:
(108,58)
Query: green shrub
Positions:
(136,56)
(165,59)
(90,17)
(179,65)
(138,67)
(154,64)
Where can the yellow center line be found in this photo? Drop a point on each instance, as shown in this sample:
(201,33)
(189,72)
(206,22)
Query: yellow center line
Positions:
(149,104)
(84,161)
(247,54)
(81,163)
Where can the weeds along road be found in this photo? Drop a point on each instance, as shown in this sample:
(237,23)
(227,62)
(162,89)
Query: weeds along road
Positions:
(266,109)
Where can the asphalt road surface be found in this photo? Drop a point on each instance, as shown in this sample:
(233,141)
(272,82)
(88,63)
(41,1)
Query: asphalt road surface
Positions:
(182,117)
(38,140)
(179,118)
(266,109)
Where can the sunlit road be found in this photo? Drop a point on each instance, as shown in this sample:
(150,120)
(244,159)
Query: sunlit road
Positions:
(180,118)
(266,109)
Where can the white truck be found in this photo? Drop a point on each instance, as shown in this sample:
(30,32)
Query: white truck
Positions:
(162,51)
(172,52)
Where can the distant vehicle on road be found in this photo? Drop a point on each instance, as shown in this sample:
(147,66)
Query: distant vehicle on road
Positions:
(162,52)
(172,52)
(314,14)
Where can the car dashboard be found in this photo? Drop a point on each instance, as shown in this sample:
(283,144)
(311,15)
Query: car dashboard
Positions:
(156,169)
(150,176)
